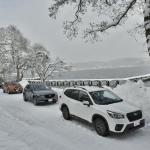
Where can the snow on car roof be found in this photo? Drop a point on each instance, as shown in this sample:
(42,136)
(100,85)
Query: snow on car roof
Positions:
(89,88)
(92,88)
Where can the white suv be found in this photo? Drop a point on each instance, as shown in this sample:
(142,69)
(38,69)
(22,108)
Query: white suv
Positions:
(101,107)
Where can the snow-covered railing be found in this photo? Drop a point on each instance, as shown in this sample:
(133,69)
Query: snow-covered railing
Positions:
(91,82)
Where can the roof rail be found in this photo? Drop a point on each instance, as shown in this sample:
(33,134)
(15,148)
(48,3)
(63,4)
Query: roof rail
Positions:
(80,87)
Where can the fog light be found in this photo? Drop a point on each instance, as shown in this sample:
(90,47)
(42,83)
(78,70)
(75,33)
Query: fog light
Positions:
(119,127)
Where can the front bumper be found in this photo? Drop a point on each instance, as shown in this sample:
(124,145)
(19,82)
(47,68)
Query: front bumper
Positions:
(14,91)
(125,127)
(41,98)
(131,126)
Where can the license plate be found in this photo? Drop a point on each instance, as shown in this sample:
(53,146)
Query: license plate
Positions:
(136,123)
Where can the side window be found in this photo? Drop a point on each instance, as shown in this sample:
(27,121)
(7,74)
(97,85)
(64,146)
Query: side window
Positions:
(67,92)
(74,94)
(84,96)
(71,93)
(28,87)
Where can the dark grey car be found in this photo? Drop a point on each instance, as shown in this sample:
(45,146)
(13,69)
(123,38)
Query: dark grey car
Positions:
(39,93)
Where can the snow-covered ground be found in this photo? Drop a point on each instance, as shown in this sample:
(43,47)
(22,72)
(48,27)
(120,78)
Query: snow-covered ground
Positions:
(24,126)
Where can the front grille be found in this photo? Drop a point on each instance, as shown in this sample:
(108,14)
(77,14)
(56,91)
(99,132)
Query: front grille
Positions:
(134,115)
(50,96)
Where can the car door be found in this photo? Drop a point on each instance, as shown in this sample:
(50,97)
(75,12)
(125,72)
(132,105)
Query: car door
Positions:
(73,100)
(84,111)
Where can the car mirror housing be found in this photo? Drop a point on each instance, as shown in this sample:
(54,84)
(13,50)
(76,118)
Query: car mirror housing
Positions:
(86,103)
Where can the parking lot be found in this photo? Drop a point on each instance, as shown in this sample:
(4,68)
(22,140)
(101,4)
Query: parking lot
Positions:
(24,126)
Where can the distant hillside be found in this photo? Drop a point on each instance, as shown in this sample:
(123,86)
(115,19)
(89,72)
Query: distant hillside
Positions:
(126,62)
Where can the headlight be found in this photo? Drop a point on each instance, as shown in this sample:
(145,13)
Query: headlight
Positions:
(36,95)
(115,115)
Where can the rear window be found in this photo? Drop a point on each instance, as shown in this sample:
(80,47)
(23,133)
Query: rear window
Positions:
(71,93)
(12,83)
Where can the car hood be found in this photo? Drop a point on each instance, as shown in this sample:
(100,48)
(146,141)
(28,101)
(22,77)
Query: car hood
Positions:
(120,107)
(44,92)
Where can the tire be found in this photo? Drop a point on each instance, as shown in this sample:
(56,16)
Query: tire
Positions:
(65,113)
(101,126)
(24,98)
(35,102)
(8,91)
(54,100)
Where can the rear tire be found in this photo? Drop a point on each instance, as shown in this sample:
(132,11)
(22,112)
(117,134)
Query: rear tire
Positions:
(66,113)
(101,126)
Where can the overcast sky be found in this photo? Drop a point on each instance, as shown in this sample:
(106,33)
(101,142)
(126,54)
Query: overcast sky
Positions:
(31,17)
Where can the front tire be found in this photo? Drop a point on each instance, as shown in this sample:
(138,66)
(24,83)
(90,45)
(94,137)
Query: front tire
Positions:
(24,98)
(66,113)
(54,100)
(101,126)
(35,102)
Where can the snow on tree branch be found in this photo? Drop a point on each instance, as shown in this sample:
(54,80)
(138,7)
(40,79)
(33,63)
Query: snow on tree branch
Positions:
(17,56)
(105,25)
(115,10)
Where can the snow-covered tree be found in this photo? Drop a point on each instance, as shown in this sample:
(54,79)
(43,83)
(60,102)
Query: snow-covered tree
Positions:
(18,46)
(42,65)
(18,56)
(37,51)
(14,49)
(5,65)
(108,14)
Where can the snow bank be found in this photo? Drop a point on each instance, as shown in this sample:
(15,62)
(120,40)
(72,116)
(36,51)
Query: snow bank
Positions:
(137,94)
(23,83)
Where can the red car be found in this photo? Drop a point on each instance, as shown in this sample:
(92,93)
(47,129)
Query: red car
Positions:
(12,87)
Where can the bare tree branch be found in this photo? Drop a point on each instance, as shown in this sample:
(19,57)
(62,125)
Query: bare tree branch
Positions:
(116,21)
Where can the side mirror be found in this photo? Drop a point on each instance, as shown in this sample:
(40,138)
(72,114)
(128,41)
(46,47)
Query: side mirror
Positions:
(86,103)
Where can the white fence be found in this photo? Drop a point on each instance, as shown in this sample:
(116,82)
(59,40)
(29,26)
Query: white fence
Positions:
(90,82)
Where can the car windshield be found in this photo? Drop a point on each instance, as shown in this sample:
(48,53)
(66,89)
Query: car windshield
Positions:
(105,97)
(40,87)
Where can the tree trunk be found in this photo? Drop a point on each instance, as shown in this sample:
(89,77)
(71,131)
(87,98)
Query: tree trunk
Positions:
(18,74)
(147,23)
(33,74)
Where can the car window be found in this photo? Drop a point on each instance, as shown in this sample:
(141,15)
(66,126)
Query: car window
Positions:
(28,87)
(67,92)
(83,96)
(71,93)
(105,97)
(75,94)
(39,87)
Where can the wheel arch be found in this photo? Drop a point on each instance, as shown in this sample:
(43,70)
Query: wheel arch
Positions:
(63,105)
(100,116)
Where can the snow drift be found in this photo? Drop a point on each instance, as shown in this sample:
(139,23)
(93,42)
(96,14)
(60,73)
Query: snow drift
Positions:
(137,94)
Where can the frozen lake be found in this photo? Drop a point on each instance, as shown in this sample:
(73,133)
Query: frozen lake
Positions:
(121,72)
